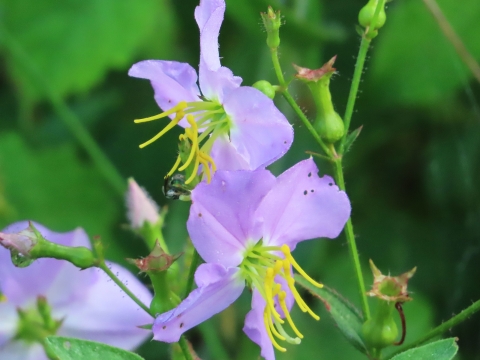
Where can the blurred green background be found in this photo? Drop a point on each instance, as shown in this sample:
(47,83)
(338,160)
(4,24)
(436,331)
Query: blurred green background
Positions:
(412,176)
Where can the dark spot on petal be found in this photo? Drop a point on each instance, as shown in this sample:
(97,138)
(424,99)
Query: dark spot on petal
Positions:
(309,174)
(199,214)
(285,142)
(178,316)
(330,184)
(164,327)
(305,192)
(181,325)
(312,190)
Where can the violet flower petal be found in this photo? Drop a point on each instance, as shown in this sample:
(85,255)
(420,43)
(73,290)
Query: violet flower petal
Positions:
(219,288)
(18,350)
(255,327)
(103,313)
(215,80)
(302,206)
(22,285)
(8,323)
(260,132)
(226,156)
(221,217)
(172,82)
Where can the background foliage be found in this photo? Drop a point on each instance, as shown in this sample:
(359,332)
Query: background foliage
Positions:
(412,175)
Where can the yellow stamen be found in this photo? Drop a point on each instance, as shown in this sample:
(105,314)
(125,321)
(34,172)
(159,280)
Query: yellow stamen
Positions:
(192,134)
(288,255)
(269,332)
(170,125)
(281,300)
(175,166)
(272,327)
(179,107)
(268,292)
(301,303)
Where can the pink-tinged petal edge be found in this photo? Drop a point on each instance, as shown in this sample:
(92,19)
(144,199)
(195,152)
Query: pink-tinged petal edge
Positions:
(221,217)
(302,206)
(218,288)
(260,132)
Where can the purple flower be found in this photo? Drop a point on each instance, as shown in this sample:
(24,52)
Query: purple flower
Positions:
(140,206)
(84,304)
(240,127)
(245,225)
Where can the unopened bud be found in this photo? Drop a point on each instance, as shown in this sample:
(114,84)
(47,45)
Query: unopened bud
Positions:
(157,261)
(328,123)
(272,22)
(365,17)
(141,208)
(265,87)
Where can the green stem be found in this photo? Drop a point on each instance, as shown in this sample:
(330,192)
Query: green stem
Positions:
(122,286)
(357,74)
(352,96)
(352,246)
(291,101)
(446,326)
(68,117)
(191,274)
(185,348)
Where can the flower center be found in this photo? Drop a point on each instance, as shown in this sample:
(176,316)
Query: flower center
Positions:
(36,324)
(262,268)
(206,117)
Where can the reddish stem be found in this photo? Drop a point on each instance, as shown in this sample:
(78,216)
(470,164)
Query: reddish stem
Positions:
(399,308)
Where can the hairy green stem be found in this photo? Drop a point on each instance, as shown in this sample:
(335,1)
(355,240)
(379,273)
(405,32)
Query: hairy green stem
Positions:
(69,118)
(122,286)
(446,326)
(352,246)
(357,74)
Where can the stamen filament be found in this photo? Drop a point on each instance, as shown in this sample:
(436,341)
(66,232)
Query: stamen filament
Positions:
(283,305)
(170,125)
(288,255)
(268,292)
(178,108)
(269,332)
(272,327)
(287,337)
(175,166)
(301,303)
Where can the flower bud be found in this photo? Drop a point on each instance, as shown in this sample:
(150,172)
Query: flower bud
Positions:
(272,23)
(328,123)
(367,13)
(21,242)
(265,87)
(141,208)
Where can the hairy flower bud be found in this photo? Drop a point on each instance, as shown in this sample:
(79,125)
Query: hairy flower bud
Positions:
(328,123)
(272,23)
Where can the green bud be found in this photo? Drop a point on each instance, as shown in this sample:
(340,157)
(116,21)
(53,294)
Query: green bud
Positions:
(328,123)
(367,13)
(272,22)
(381,330)
(265,87)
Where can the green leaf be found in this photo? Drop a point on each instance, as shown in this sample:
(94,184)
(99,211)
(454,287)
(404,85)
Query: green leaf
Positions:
(352,137)
(439,350)
(66,348)
(413,59)
(344,314)
(75,43)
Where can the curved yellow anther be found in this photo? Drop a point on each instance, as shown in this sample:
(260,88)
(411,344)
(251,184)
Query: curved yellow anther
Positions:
(175,166)
(286,251)
(170,125)
(301,303)
(269,332)
(177,108)
(283,305)
(191,134)
(268,285)
(272,327)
